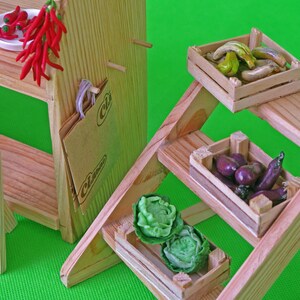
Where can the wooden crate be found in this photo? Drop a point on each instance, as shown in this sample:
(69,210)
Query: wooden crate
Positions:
(201,161)
(145,261)
(230,91)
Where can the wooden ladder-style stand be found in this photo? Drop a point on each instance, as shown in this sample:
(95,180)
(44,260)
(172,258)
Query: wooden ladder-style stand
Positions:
(169,150)
(105,39)
(7,224)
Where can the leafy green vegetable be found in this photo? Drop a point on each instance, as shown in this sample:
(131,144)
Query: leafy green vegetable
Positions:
(155,219)
(186,252)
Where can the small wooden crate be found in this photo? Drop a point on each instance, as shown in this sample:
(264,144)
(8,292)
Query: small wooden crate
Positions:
(201,161)
(230,91)
(145,261)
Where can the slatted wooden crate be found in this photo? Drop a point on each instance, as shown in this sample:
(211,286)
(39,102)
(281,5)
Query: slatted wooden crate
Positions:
(201,162)
(145,261)
(230,91)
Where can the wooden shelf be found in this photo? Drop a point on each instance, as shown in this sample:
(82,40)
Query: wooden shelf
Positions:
(29,182)
(175,157)
(283,114)
(10,69)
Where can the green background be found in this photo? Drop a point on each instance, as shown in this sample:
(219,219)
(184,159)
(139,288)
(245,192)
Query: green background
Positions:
(36,254)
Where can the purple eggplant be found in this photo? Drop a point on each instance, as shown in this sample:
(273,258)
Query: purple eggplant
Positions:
(276,196)
(239,158)
(248,174)
(241,191)
(267,181)
(226,165)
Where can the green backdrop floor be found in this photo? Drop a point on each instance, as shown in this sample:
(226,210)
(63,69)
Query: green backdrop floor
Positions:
(36,254)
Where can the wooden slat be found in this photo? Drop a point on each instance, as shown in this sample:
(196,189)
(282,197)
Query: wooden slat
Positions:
(10,221)
(283,114)
(29,182)
(175,156)
(10,69)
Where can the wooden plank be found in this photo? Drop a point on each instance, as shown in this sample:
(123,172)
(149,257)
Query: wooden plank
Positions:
(267,96)
(263,84)
(269,257)
(175,157)
(280,119)
(144,177)
(197,213)
(88,59)
(29,182)
(2,226)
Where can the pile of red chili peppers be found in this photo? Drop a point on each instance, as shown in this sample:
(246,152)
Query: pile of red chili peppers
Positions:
(45,32)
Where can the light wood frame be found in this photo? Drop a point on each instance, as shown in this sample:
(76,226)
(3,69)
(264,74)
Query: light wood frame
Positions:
(92,255)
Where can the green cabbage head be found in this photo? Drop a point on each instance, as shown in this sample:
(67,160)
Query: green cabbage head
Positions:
(186,252)
(155,219)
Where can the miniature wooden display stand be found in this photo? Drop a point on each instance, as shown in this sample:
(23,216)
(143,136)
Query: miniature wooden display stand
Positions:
(230,91)
(35,183)
(259,215)
(145,261)
(170,150)
(7,224)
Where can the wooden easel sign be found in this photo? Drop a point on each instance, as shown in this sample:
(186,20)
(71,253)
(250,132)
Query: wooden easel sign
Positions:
(89,156)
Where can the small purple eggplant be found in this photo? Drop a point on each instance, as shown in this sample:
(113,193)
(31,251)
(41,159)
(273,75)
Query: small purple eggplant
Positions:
(267,181)
(226,165)
(248,174)
(241,191)
(276,196)
(239,158)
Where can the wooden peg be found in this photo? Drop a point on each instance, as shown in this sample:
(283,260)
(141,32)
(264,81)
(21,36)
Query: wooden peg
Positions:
(93,89)
(292,187)
(142,43)
(239,143)
(116,67)
(261,204)
(295,64)
(235,81)
(255,38)
(183,280)
(125,229)
(203,156)
(215,258)
(197,49)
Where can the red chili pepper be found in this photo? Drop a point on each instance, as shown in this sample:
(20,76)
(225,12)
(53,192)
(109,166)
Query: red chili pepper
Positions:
(53,65)
(56,20)
(34,25)
(21,24)
(11,17)
(26,68)
(45,55)
(29,51)
(4,36)
(23,16)
(8,29)
(55,42)
(42,31)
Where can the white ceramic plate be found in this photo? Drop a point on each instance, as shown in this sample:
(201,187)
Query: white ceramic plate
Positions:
(15,45)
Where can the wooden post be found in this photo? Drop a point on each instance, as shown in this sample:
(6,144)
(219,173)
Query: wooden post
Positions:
(2,227)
